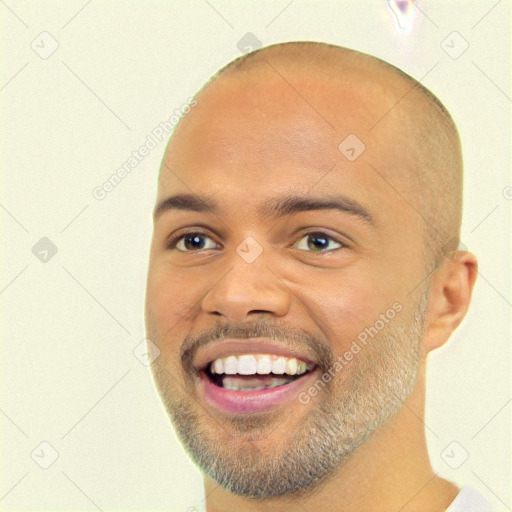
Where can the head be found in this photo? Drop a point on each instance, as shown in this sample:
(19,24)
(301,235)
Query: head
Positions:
(281,228)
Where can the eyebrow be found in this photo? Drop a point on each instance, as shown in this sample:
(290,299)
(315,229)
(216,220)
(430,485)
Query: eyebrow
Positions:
(275,207)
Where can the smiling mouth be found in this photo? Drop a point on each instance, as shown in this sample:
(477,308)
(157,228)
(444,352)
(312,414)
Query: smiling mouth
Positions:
(250,372)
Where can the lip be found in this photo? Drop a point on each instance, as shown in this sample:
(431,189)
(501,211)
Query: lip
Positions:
(247,402)
(228,347)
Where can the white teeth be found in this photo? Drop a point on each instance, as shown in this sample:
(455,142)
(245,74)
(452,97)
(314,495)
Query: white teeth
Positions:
(246,365)
(264,365)
(261,364)
(278,366)
(232,383)
(291,366)
(218,366)
(230,365)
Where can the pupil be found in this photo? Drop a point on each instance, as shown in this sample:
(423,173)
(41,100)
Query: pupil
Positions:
(195,242)
(322,239)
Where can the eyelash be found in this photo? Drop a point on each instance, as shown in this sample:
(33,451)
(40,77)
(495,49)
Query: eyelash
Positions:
(174,241)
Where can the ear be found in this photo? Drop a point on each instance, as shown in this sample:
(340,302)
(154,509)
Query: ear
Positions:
(449,297)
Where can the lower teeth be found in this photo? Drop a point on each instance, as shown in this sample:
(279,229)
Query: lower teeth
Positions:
(239,384)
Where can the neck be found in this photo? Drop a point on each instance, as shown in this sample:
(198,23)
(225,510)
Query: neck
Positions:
(391,471)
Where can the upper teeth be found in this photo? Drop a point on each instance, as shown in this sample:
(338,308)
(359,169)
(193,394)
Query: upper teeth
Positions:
(262,364)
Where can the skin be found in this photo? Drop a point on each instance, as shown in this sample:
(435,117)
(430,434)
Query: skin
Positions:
(252,137)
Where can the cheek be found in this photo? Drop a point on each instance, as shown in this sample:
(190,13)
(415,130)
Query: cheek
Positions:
(171,299)
(344,303)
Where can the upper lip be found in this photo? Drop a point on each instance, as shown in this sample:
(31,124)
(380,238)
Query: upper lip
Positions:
(228,347)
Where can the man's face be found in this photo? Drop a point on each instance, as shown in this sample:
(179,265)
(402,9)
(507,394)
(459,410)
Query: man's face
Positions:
(323,276)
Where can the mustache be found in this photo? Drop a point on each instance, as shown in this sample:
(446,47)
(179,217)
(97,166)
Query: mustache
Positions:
(286,336)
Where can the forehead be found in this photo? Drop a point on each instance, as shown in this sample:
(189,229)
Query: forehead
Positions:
(258,133)
(267,110)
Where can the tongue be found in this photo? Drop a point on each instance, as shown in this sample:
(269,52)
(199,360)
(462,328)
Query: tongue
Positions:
(254,381)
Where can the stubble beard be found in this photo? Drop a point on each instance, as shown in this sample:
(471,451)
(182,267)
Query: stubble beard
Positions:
(238,453)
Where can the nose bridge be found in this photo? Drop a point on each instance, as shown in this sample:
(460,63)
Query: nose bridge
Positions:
(248,287)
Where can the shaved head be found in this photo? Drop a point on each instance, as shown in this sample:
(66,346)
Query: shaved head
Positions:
(391,103)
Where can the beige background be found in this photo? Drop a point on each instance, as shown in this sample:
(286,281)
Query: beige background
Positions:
(69,325)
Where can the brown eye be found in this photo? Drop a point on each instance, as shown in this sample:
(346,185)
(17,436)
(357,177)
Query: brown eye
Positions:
(318,242)
(191,242)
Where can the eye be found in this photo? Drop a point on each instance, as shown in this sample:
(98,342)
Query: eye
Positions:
(312,242)
(191,242)
(318,242)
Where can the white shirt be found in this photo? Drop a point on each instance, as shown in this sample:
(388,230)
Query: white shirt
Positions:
(469,500)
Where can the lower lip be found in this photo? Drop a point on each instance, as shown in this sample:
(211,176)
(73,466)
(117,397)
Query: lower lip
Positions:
(246,402)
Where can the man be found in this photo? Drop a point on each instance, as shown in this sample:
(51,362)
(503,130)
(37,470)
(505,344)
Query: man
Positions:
(304,263)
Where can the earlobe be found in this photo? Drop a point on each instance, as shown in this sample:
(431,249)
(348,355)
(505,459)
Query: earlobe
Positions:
(449,297)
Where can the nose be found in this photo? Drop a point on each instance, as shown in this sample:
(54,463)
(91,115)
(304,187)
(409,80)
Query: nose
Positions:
(246,291)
